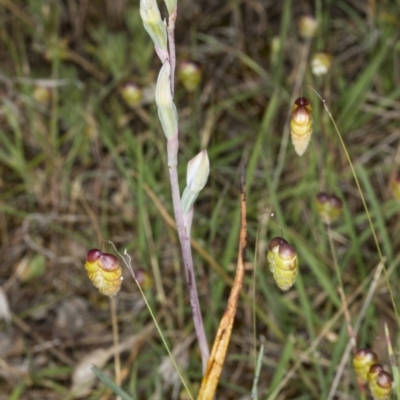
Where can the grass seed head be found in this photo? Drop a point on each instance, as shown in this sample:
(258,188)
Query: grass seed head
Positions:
(379,382)
(329,207)
(362,362)
(190,75)
(307,26)
(131,94)
(321,63)
(283,262)
(104,271)
(301,125)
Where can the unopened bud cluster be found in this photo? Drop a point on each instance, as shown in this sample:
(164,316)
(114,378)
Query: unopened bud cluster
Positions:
(368,370)
(153,23)
(301,125)
(283,262)
(329,207)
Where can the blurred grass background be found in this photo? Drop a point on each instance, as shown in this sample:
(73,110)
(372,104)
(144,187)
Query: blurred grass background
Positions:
(78,166)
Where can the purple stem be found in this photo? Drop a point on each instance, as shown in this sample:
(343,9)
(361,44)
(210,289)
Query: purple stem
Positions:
(171,46)
(187,254)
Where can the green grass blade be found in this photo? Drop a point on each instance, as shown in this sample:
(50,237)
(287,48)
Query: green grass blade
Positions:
(111,384)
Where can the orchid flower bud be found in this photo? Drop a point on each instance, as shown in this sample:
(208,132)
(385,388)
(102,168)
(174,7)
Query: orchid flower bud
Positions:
(329,207)
(196,178)
(190,75)
(379,382)
(307,26)
(171,6)
(321,63)
(153,23)
(104,271)
(283,262)
(362,362)
(165,103)
(301,125)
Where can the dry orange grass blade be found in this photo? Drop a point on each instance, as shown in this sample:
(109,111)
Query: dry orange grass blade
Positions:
(218,353)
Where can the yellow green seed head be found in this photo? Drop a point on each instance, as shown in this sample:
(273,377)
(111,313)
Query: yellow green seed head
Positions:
(329,207)
(131,94)
(283,262)
(362,362)
(307,26)
(321,63)
(301,125)
(379,382)
(104,271)
(190,75)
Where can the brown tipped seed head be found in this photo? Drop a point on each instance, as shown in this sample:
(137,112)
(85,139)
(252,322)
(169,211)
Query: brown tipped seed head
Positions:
(379,382)
(362,362)
(301,125)
(286,266)
(104,271)
(329,207)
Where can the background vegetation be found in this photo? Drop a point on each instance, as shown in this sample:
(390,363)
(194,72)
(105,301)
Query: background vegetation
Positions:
(78,166)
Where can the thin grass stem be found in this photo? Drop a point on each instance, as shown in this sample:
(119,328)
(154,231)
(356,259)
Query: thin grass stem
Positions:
(378,247)
(127,260)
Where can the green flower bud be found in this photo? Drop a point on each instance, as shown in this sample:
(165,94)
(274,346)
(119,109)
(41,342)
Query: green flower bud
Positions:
(164,100)
(196,178)
(171,6)
(153,23)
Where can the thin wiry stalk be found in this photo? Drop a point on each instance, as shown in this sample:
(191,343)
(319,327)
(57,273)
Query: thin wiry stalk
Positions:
(189,269)
(184,235)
